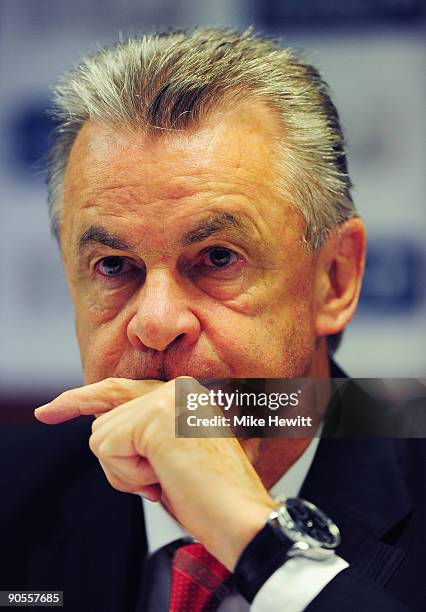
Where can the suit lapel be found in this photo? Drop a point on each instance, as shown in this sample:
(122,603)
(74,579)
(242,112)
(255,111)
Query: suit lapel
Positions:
(111,540)
(103,542)
(359,484)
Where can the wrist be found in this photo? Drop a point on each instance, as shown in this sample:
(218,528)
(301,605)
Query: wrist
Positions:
(295,528)
(239,533)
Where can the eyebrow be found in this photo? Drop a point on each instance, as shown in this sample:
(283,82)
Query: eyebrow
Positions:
(213,225)
(100,235)
(216,224)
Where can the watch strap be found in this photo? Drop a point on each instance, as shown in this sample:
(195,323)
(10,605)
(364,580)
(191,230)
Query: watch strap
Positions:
(263,555)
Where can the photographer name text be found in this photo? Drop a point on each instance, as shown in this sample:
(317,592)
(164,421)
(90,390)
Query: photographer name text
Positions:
(273,420)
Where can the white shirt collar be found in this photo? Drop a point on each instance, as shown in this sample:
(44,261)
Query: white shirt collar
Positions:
(161,528)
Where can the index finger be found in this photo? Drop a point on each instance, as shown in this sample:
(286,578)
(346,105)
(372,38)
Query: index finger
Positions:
(96,398)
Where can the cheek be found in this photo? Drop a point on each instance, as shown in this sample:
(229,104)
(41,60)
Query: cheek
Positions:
(276,339)
(102,343)
(102,358)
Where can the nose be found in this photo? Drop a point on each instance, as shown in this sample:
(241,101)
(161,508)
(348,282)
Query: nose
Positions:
(162,314)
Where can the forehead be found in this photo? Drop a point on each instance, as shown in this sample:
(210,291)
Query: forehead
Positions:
(117,172)
(235,140)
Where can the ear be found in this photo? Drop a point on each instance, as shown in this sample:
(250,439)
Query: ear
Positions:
(340,268)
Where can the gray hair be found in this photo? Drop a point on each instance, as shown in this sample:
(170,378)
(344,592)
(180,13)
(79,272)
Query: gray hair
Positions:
(172,81)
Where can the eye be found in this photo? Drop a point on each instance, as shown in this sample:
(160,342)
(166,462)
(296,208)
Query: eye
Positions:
(219,257)
(113,266)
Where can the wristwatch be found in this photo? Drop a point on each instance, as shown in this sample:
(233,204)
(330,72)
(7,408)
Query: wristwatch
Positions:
(295,528)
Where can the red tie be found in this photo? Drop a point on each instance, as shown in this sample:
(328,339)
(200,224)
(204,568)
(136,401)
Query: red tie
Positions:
(199,581)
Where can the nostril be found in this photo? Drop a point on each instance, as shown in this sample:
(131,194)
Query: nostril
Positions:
(177,340)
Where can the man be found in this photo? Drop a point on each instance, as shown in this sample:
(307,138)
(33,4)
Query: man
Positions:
(200,197)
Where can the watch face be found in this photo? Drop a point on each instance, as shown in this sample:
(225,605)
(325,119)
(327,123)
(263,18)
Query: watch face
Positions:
(312,523)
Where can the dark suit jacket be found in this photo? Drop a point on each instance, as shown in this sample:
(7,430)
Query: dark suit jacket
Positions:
(63,527)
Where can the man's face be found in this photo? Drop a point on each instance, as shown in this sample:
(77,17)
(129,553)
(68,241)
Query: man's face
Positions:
(180,258)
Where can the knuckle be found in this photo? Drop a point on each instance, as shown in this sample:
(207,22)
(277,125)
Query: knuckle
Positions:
(93,444)
(191,383)
(63,396)
(117,389)
(103,451)
(188,379)
(133,487)
(118,484)
(114,384)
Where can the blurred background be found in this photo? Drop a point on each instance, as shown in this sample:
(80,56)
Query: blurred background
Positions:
(371,52)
